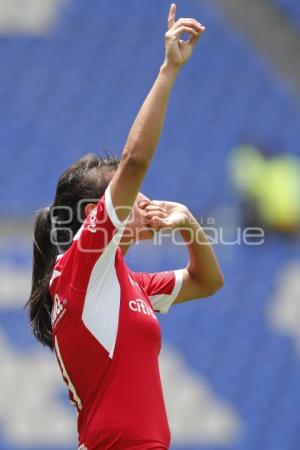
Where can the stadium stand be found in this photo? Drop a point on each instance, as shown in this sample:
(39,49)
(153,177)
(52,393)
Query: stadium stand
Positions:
(69,101)
(77,89)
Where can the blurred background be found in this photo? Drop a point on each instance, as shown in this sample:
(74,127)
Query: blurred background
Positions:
(73,74)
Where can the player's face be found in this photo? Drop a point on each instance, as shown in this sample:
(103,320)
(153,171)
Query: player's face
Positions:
(136,223)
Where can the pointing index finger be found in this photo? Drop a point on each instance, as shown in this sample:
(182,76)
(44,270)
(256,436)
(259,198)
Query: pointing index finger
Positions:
(172,15)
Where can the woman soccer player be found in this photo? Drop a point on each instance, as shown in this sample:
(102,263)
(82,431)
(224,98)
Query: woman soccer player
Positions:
(85,302)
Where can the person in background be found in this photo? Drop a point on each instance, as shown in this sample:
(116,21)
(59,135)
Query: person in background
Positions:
(269,188)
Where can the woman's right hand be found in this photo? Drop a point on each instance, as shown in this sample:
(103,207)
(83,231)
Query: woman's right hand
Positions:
(146,129)
(178,51)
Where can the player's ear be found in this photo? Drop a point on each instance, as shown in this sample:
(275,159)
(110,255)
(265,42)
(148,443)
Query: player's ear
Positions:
(88,208)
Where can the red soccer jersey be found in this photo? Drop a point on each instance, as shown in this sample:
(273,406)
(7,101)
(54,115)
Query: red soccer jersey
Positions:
(107,337)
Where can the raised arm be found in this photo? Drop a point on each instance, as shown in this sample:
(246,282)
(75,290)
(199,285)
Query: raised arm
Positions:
(145,132)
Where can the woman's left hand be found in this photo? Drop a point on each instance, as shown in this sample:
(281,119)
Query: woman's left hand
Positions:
(165,215)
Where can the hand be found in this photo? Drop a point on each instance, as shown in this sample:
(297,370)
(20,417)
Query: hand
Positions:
(178,51)
(161,215)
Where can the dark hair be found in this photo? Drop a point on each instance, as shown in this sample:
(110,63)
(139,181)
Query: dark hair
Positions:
(84,181)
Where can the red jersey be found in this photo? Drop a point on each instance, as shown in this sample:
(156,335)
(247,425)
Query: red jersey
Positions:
(107,337)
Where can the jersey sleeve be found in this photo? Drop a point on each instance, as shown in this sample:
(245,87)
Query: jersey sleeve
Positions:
(162,288)
(98,237)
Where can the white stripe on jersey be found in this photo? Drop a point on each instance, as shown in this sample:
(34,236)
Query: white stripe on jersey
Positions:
(102,302)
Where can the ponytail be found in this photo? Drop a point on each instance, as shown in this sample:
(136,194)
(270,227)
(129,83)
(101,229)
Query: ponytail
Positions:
(87,178)
(44,257)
